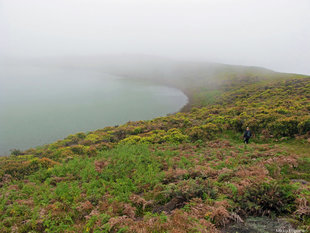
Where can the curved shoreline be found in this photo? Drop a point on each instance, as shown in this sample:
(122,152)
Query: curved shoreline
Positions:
(155,100)
(187,107)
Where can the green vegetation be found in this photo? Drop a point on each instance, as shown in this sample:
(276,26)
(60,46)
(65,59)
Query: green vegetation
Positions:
(187,172)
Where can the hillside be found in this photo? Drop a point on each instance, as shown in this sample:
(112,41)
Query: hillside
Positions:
(186,172)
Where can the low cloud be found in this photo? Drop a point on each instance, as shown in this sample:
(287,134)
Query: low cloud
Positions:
(270,33)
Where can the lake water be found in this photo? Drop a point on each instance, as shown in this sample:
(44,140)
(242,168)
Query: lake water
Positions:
(42,105)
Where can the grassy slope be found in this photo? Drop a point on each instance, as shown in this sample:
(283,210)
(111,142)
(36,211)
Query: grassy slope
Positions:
(188,172)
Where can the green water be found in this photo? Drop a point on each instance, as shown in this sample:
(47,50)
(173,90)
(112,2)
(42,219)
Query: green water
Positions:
(41,105)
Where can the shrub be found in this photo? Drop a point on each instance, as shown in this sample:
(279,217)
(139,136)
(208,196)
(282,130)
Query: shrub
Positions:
(282,110)
(63,153)
(175,136)
(20,169)
(16,152)
(156,136)
(186,190)
(131,140)
(203,132)
(137,130)
(304,125)
(47,163)
(236,124)
(103,146)
(91,151)
(73,139)
(91,139)
(78,149)
(267,199)
(284,127)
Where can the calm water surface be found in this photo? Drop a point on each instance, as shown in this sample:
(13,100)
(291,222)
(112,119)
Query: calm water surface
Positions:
(41,105)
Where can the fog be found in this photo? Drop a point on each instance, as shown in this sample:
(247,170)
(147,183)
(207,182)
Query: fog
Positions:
(271,33)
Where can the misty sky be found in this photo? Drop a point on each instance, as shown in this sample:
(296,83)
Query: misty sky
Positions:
(270,33)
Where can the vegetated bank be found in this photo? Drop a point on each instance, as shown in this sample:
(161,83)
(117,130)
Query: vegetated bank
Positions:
(187,172)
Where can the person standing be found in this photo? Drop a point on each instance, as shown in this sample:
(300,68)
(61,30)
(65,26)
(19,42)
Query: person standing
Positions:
(247,135)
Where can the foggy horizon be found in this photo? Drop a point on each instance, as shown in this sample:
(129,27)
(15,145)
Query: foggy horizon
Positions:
(272,34)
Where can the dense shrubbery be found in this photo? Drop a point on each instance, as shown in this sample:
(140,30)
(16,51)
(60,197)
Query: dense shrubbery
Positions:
(157,136)
(169,173)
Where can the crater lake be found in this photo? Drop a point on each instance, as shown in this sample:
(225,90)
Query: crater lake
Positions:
(40,105)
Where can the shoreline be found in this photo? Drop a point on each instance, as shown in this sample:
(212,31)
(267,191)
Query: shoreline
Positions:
(181,96)
(187,107)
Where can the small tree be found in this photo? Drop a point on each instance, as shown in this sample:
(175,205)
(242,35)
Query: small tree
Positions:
(16,152)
